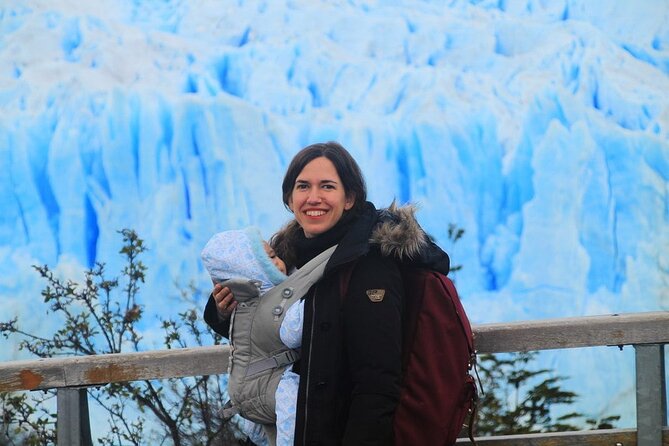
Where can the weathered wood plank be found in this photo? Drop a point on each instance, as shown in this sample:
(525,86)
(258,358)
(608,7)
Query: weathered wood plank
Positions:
(640,328)
(609,437)
(101,369)
(623,329)
(29,375)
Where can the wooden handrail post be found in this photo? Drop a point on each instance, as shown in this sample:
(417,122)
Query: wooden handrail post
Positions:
(651,404)
(73,426)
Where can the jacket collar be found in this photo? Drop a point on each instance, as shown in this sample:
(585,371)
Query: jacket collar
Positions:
(356,242)
(394,231)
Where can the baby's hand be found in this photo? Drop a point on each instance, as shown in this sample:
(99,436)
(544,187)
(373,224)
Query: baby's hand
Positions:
(225,301)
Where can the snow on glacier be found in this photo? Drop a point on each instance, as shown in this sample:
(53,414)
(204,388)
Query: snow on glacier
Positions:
(541,128)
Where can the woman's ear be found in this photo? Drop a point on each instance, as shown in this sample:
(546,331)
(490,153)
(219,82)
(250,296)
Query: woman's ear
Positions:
(350,201)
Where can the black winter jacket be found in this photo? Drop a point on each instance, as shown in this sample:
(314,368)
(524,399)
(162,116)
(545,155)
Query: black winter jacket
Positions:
(350,369)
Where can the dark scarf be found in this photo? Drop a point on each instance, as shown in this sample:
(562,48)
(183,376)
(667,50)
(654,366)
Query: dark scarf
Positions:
(307,248)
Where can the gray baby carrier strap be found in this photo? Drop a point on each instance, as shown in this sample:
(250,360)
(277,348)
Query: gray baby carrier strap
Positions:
(258,357)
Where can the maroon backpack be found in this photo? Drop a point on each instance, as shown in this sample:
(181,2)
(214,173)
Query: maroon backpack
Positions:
(438,392)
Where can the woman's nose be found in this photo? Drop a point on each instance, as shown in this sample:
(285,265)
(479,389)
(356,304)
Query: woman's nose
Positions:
(314,196)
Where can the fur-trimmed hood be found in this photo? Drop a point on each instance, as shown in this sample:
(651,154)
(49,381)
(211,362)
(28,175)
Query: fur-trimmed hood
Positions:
(399,235)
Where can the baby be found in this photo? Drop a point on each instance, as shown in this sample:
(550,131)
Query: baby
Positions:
(243,254)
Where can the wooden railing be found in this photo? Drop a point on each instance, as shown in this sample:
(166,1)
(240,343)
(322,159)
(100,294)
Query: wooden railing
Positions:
(647,332)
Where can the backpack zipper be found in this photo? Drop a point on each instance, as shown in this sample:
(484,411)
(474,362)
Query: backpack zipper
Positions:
(311,344)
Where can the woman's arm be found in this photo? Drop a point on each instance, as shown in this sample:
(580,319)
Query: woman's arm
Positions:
(373,345)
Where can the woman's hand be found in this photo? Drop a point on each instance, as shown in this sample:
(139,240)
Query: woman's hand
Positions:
(225,301)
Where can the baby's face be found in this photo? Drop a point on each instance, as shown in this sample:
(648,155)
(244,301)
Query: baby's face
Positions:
(275,259)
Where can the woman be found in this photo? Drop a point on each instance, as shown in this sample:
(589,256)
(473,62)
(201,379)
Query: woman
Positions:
(350,368)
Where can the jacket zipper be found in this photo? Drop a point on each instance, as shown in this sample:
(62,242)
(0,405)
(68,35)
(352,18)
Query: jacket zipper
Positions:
(311,344)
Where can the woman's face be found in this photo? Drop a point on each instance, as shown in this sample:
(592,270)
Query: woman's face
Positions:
(318,199)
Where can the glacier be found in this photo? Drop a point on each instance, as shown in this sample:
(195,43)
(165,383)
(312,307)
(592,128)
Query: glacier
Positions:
(540,127)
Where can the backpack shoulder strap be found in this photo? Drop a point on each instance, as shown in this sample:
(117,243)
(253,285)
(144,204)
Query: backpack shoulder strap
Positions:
(345,278)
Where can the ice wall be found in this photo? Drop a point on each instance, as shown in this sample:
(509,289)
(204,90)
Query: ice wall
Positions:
(541,128)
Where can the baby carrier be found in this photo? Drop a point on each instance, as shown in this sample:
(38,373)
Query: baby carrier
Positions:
(258,357)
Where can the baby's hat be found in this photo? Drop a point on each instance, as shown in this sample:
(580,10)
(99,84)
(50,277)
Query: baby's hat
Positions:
(240,254)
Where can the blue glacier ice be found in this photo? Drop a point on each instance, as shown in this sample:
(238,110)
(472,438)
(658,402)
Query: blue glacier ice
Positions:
(540,127)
